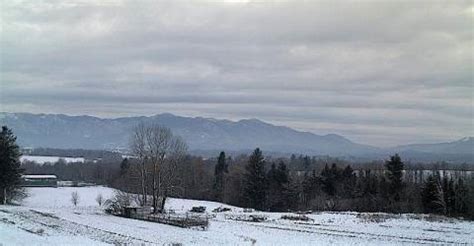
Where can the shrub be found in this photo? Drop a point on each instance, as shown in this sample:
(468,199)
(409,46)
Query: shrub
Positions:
(99,199)
(299,217)
(75,198)
(221,209)
(116,204)
(248,218)
(200,209)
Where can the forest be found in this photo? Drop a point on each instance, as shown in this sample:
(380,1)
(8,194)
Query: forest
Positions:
(298,183)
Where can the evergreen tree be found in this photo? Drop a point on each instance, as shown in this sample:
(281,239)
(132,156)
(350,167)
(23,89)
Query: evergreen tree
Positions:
(279,192)
(330,179)
(349,181)
(327,183)
(306,163)
(255,181)
(310,185)
(10,171)
(394,175)
(460,197)
(219,176)
(274,197)
(293,160)
(124,165)
(448,194)
(366,191)
(470,198)
(432,196)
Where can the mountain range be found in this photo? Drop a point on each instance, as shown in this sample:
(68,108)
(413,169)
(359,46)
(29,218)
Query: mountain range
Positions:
(208,135)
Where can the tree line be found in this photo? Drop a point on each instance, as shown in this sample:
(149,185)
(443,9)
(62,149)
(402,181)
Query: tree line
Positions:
(161,167)
(267,184)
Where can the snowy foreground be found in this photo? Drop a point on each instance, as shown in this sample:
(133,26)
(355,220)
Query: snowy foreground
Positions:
(48,217)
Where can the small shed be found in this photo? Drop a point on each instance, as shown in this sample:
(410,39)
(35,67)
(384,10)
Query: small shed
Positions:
(130,211)
(134,211)
(39,180)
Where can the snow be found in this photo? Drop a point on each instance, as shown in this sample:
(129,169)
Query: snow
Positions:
(48,217)
(10,235)
(60,198)
(49,159)
(34,176)
(184,205)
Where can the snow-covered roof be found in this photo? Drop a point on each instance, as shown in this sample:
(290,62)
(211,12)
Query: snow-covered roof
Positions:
(39,176)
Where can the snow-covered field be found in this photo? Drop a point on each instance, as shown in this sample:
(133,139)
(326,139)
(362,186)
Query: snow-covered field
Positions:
(48,217)
(49,159)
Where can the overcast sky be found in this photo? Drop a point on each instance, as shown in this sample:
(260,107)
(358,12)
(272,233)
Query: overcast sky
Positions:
(380,73)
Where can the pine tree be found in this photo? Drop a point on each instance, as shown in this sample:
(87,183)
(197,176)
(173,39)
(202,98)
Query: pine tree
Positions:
(470,198)
(274,198)
(349,181)
(219,176)
(279,190)
(448,194)
(255,181)
(367,190)
(10,171)
(326,180)
(330,179)
(293,160)
(310,185)
(460,197)
(394,175)
(432,196)
(306,162)
(124,165)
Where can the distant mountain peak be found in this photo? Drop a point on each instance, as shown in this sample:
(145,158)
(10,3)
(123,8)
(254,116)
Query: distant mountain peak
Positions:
(61,131)
(253,121)
(166,115)
(466,139)
(337,137)
(210,135)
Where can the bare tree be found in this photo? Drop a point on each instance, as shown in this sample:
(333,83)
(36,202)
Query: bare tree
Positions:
(75,198)
(159,142)
(99,199)
(165,152)
(138,146)
(169,180)
(157,147)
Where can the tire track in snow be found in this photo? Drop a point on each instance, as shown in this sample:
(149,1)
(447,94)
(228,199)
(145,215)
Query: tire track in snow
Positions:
(60,226)
(410,239)
(317,229)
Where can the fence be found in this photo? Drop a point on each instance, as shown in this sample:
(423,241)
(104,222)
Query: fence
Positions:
(185,220)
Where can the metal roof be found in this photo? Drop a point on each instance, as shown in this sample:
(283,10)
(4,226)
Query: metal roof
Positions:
(39,176)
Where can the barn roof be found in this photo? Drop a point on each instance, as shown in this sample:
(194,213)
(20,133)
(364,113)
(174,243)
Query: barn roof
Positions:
(39,176)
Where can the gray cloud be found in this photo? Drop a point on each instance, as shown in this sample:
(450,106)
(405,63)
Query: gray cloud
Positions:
(381,73)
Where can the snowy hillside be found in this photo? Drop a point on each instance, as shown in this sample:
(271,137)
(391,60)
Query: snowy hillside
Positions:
(48,217)
(49,159)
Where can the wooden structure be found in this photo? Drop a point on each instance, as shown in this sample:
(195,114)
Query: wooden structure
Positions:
(39,181)
(186,220)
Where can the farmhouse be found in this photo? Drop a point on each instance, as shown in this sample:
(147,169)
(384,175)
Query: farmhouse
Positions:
(39,181)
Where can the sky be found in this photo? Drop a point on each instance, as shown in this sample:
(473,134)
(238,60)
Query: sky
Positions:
(377,72)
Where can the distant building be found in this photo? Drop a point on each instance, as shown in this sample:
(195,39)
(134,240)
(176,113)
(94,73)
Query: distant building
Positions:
(27,150)
(39,181)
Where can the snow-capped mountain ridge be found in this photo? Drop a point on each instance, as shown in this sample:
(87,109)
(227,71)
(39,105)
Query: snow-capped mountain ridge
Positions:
(210,135)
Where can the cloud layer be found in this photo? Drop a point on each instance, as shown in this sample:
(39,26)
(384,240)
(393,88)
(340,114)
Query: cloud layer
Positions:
(381,73)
